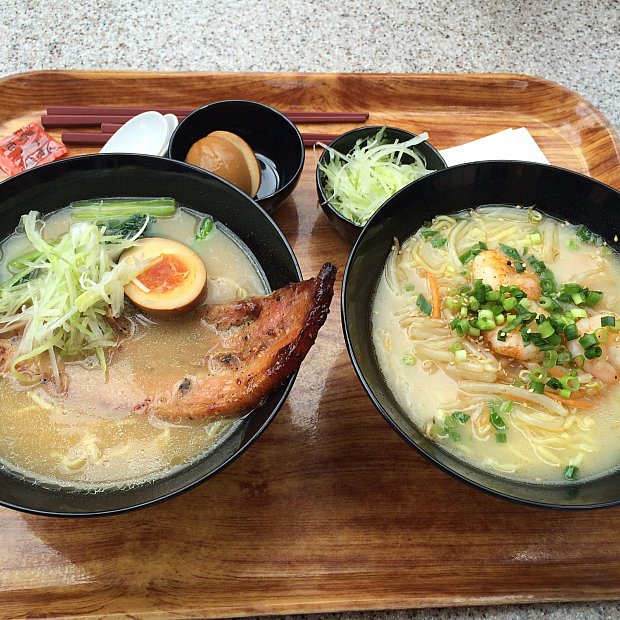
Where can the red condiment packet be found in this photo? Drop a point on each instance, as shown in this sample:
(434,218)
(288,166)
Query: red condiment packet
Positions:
(28,147)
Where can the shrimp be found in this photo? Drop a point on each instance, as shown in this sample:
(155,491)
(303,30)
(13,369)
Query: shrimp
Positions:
(607,367)
(513,346)
(496,269)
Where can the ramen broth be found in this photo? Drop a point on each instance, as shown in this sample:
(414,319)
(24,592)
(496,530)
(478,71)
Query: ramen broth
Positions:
(82,439)
(463,394)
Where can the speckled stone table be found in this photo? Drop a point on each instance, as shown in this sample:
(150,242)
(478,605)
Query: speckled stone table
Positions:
(575,43)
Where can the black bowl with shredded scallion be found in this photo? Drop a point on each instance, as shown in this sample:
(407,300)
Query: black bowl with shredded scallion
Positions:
(348,211)
(559,193)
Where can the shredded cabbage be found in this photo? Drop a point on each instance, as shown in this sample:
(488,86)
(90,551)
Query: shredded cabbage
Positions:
(64,307)
(358,183)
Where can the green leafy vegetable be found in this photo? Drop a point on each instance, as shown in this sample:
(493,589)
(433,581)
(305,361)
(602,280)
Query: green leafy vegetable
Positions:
(110,208)
(133,227)
(359,182)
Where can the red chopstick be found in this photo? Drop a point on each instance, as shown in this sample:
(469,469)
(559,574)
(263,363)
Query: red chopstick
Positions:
(83,138)
(83,120)
(76,117)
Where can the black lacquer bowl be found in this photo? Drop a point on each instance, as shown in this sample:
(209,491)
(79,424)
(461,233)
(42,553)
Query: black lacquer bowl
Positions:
(557,192)
(344,144)
(275,140)
(54,186)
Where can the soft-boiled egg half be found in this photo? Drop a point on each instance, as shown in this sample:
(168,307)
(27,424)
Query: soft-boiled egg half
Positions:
(173,282)
(230,157)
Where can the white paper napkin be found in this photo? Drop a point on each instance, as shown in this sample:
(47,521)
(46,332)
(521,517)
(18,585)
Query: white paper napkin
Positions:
(514,144)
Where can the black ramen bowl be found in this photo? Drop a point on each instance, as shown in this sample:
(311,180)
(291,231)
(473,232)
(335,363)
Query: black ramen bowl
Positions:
(54,186)
(557,192)
(275,140)
(344,144)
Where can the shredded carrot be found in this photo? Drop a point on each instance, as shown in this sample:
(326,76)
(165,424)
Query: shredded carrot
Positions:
(554,372)
(433,288)
(571,402)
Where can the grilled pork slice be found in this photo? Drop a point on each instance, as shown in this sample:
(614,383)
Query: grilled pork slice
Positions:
(241,352)
(263,340)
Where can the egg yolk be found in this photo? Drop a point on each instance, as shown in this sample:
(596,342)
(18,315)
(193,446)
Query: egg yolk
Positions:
(168,273)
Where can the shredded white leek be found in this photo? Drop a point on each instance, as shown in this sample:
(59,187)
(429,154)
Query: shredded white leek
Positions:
(63,309)
(358,183)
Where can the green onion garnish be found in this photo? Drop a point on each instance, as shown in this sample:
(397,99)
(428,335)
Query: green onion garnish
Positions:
(472,252)
(495,419)
(608,321)
(460,416)
(424,305)
(570,472)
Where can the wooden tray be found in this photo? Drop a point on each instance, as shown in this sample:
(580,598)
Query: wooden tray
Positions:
(329,510)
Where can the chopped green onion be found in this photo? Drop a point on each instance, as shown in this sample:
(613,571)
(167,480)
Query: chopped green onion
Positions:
(427,234)
(460,416)
(536,238)
(545,329)
(564,358)
(462,327)
(472,252)
(564,393)
(608,321)
(438,242)
(408,359)
(501,437)
(538,374)
(506,406)
(424,305)
(593,352)
(550,358)
(554,384)
(586,235)
(510,303)
(572,288)
(495,419)
(460,356)
(588,340)
(493,296)
(570,472)
(205,229)
(537,387)
(578,361)
(571,332)
(592,298)
(570,382)
(577,313)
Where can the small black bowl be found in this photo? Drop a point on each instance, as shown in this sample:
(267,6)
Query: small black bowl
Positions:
(275,140)
(54,186)
(557,192)
(344,144)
